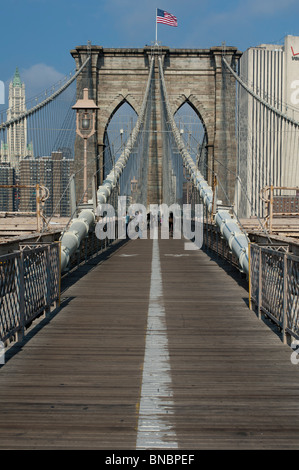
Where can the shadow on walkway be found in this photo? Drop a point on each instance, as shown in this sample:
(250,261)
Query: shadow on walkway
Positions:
(67,281)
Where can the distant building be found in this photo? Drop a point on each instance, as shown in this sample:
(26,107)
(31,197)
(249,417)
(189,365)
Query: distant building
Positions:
(8,196)
(53,172)
(267,153)
(16,146)
(3,152)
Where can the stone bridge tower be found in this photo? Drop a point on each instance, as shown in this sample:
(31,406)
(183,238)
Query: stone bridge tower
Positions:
(196,76)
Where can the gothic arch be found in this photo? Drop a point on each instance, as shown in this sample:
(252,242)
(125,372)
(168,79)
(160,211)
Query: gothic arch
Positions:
(193,75)
(204,115)
(196,112)
(115,110)
(114,106)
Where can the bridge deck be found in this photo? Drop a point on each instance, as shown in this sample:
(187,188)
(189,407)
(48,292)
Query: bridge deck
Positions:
(126,366)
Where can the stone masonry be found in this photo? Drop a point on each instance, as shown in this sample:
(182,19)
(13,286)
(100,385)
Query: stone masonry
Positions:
(196,76)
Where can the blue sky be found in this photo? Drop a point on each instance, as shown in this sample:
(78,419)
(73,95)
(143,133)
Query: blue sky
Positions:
(37,35)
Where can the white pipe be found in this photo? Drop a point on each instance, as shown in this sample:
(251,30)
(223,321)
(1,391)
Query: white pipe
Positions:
(237,240)
(72,238)
(80,226)
(229,228)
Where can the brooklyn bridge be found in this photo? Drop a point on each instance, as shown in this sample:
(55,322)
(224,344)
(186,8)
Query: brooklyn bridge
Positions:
(160,311)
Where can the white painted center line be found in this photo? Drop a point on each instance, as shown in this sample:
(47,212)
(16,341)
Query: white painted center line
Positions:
(127,256)
(155,429)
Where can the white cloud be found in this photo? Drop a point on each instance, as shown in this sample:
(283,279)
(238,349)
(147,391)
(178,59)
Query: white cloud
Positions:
(251,9)
(269,7)
(38,78)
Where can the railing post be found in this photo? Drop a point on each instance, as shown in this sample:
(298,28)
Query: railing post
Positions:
(78,255)
(97,244)
(48,281)
(249,275)
(259,303)
(21,329)
(86,247)
(284,301)
(59,273)
(271,209)
(38,215)
(204,230)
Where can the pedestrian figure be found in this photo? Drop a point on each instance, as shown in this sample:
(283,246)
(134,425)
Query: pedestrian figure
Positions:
(127,223)
(171,224)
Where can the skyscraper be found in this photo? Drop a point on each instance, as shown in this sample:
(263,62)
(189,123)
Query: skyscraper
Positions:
(8,196)
(267,145)
(53,172)
(17,134)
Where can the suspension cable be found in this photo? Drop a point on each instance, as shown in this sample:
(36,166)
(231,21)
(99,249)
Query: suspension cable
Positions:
(46,101)
(258,98)
(229,227)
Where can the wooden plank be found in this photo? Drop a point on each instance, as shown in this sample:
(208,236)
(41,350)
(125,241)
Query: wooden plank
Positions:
(234,384)
(76,383)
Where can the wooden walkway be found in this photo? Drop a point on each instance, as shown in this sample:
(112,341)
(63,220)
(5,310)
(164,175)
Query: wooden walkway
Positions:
(154,347)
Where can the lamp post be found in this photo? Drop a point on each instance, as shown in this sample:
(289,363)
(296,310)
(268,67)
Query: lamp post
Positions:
(121,131)
(85,128)
(134,182)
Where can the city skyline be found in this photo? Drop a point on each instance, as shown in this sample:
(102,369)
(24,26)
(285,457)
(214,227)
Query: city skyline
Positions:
(40,47)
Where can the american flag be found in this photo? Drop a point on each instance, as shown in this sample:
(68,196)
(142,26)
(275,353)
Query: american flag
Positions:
(166,18)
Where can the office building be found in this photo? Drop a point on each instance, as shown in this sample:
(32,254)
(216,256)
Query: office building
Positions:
(267,144)
(8,196)
(52,172)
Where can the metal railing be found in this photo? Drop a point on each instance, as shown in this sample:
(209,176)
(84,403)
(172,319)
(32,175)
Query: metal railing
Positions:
(274,287)
(90,246)
(267,195)
(214,240)
(41,195)
(273,279)
(29,286)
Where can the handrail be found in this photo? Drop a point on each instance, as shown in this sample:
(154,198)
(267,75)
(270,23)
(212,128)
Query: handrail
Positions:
(41,195)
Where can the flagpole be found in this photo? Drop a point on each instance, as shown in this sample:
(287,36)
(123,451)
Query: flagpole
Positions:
(156,27)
